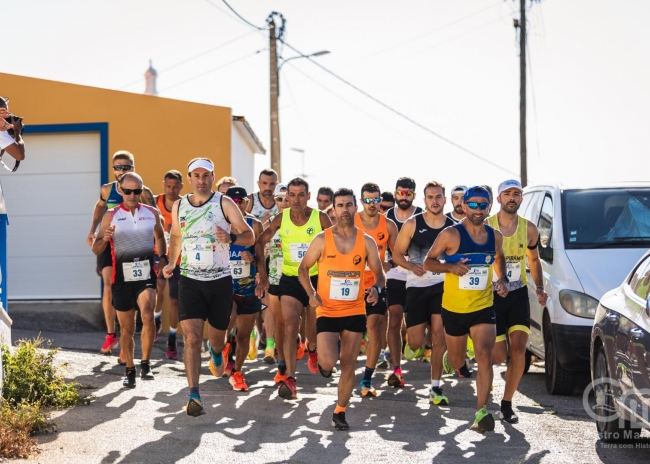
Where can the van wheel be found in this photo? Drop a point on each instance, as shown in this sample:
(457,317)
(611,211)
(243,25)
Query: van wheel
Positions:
(559,381)
(528,358)
(611,427)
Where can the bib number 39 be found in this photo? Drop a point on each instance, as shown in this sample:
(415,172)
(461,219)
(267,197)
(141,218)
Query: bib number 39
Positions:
(475,279)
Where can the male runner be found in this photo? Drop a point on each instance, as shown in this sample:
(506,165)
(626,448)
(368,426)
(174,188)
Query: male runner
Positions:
(387,202)
(396,283)
(131,229)
(201,236)
(225,183)
(384,232)
(110,197)
(342,253)
(262,204)
(424,288)
(471,250)
(14,146)
(244,271)
(330,214)
(457,194)
(172,185)
(324,198)
(298,225)
(520,239)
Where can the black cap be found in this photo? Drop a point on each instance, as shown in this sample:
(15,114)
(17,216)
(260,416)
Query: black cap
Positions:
(405,182)
(236,192)
(387,196)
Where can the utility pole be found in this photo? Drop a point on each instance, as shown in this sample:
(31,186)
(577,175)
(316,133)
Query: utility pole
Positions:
(274,88)
(522,94)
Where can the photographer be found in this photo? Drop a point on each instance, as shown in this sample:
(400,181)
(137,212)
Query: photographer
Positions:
(11,128)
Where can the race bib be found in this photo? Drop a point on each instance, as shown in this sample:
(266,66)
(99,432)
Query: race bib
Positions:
(240,269)
(297,251)
(434,276)
(513,272)
(278,264)
(199,253)
(475,279)
(344,289)
(139,270)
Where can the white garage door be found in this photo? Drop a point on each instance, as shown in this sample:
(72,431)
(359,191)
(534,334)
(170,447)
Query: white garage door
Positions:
(50,200)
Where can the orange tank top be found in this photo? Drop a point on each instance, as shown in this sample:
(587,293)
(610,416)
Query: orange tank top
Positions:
(341,279)
(167,218)
(380,236)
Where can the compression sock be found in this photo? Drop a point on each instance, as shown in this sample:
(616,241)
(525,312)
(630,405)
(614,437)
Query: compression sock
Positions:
(367,374)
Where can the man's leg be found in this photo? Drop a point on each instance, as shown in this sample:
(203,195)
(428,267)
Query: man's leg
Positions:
(377,338)
(278,325)
(291,310)
(350,345)
(269,328)
(395,317)
(193,336)
(518,340)
(416,336)
(483,336)
(245,324)
(172,350)
(146,302)
(127,328)
(310,328)
(329,350)
(438,346)
(107,300)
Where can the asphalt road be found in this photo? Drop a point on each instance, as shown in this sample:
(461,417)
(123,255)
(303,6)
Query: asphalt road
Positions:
(148,424)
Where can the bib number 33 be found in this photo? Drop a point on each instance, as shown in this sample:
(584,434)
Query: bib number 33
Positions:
(139,270)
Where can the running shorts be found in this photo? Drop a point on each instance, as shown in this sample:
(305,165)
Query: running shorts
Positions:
(209,300)
(458,324)
(513,313)
(291,286)
(339,324)
(422,303)
(395,292)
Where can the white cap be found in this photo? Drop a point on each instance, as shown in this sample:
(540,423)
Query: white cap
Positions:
(279,187)
(459,188)
(508,184)
(201,163)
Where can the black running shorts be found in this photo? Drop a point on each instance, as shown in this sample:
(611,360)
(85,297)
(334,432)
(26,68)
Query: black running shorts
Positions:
(339,324)
(274,290)
(172,281)
(125,294)
(291,286)
(247,304)
(209,300)
(458,324)
(395,292)
(513,313)
(107,257)
(422,303)
(380,307)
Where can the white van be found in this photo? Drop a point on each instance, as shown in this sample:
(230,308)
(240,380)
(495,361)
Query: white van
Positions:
(590,238)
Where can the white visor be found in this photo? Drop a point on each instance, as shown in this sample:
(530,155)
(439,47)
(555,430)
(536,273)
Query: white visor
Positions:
(201,163)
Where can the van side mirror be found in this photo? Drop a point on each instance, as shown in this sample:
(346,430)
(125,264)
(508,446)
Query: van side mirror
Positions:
(546,252)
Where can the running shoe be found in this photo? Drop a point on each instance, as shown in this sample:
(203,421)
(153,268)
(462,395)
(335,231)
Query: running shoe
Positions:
(413,354)
(312,362)
(437,397)
(464,372)
(217,371)
(382,362)
(230,366)
(279,377)
(324,373)
(484,421)
(426,357)
(387,356)
(269,356)
(172,351)
(300,350)
(129,379)
(508,416)
(252,345)
(396,380)
(306,350)
(120,359)
(110,342)
(446,366)
(158,322)
(366,389)
(194,406)
(338,421)
(288,389)
(237,381)
(364,343)
(145,372)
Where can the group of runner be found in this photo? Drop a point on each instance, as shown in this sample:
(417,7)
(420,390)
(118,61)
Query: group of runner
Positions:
(332,276)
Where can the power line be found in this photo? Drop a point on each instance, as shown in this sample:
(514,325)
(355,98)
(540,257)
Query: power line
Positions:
(239,16)
(402,115)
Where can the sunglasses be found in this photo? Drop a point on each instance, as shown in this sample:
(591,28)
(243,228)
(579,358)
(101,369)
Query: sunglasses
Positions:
(406,193)
(123,167)
(384,207)
(240,200)
(476,205)
(281,199)
(371,201)
(130,191)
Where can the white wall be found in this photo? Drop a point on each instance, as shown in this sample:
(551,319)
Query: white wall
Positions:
(242,161)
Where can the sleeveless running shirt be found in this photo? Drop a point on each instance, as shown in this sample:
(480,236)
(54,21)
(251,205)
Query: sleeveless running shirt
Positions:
(114,197)
(202,256)
(423,238)
(243,273)
(258,210)
(167,220)
(275,259)
(473,291)
(380,236)
(132,243)
(341,277)
(398,273)
(295,241)
(514,248)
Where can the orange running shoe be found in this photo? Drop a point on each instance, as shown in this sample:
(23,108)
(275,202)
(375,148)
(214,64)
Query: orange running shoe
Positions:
(217,371)
(300,350)
(312,362)
(288,389)
(120,359)
(279,378)
(237,381)
(110,342)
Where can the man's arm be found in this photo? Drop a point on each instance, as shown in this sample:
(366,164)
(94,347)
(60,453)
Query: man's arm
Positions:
(374,264)
(325,221)
(392,238)
(175,243)
(402,245)
(147,197)
(104,236)
(313,254)
(98,212)
(249,206)
(244,235)
(535,264)
(260,257)
(258,230)
(499,265)
(444,243)
(161,244)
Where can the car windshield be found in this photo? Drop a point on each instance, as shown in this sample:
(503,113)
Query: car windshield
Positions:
(601,218)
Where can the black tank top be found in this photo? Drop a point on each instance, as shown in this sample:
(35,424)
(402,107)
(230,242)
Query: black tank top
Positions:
(423,238)
(390,214)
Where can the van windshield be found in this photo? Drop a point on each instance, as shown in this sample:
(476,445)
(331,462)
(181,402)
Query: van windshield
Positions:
(600,218)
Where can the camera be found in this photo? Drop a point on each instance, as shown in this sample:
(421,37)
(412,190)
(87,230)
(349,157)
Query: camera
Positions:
(13,119)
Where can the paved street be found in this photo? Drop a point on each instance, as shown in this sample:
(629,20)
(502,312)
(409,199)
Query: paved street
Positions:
(148,424)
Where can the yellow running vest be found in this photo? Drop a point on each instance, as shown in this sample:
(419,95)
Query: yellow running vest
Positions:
(296,240)
(514,249)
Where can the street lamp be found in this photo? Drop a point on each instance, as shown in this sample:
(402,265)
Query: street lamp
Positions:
(320,53)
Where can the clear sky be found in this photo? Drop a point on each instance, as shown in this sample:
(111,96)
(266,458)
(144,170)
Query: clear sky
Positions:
(452,66)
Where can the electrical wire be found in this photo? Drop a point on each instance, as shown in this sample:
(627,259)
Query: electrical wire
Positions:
(241,17)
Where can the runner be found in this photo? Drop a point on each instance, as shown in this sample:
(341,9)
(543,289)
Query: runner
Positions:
(342,253)
(225,183)
(110,197)
(298,225)
(387,202)
(324,198)
(330,214)
(262,204)
(129,229)
(201,237)
(457,194)
(172,185)
(423,288)
(473,251)
(396,283)
(242,266)
(520,239)
(384,232)
(14,146)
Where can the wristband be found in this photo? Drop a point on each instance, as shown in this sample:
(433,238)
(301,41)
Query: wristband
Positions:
(233,238)
(378,288)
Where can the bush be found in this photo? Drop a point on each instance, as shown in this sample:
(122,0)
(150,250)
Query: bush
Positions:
(17,424)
